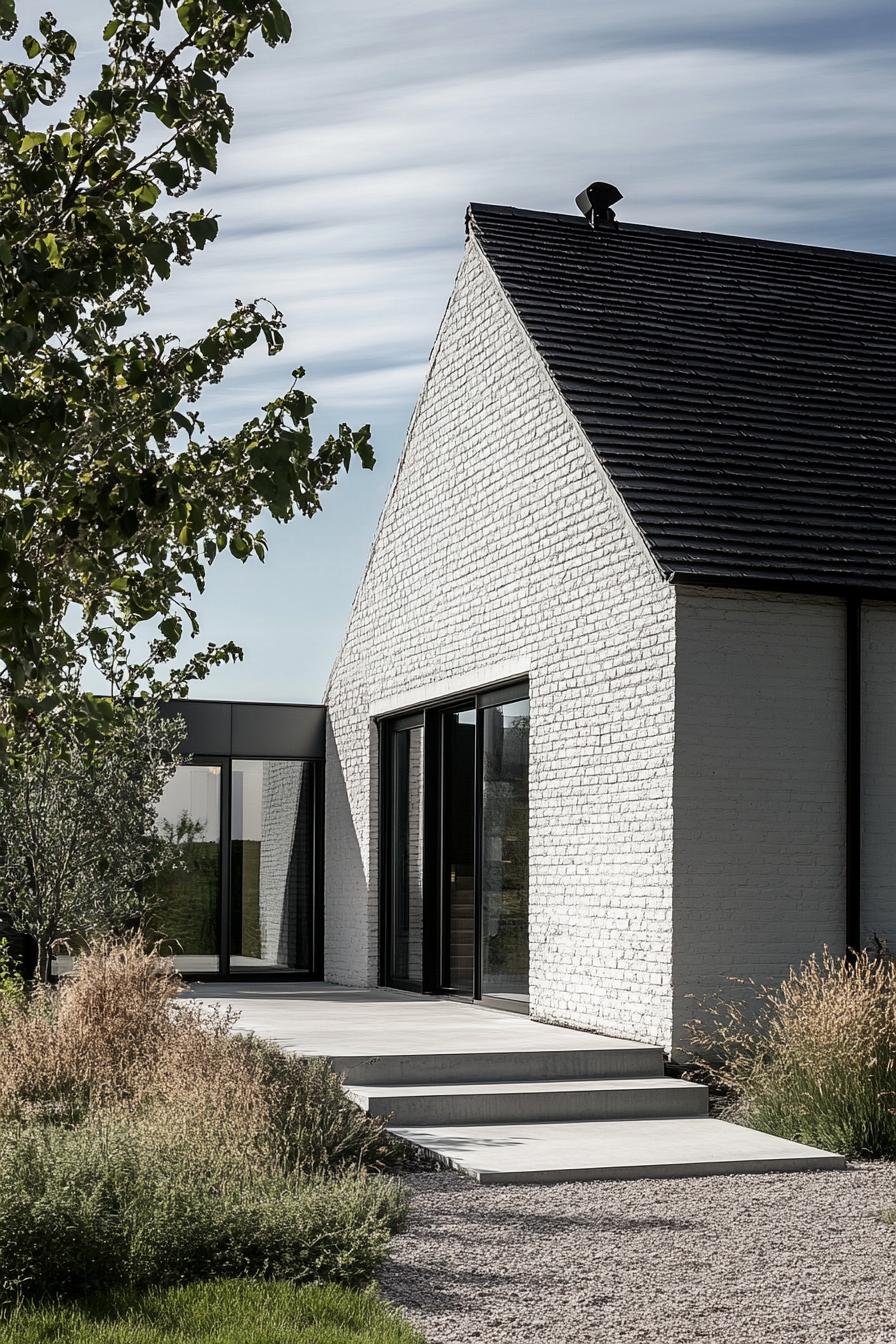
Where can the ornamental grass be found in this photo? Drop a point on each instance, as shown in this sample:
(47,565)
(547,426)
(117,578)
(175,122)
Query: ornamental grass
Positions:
(143,1141)
(812,1059)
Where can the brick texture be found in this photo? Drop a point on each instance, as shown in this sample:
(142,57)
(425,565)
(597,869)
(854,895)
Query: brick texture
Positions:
(501,542)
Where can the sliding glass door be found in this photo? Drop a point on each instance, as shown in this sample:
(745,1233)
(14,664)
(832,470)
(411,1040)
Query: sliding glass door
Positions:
(459,849)
(185,911)
(505,851)
(242,896)
(404,912)
(272,818)
(455,848)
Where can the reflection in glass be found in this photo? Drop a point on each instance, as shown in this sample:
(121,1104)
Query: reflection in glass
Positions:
(505,850)
(271,865)
(406,877)
(458,832)
(184,913)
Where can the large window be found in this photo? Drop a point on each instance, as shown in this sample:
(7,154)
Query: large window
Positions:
(271,865)
(405,921)
(455,848)
(186,910)
(505,850)
(242,897)
(459,848)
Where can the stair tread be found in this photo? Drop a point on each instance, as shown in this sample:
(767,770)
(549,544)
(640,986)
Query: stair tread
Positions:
(553,1151)
(527,1086)
(391,1068)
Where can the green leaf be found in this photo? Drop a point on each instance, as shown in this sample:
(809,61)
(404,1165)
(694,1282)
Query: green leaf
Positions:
(48,247)
(171,628)
(188,14)
(200,153)
(203,229)
(101,444)
(147,194)
(32,47)
(169,172)
(276,26)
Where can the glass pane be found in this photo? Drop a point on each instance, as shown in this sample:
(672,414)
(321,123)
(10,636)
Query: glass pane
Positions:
(271,865)
(458,836)
(185,910)
(406,877)
(505,850)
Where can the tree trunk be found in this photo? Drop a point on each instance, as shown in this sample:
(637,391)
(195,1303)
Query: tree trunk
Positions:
(28,956)
(42,961)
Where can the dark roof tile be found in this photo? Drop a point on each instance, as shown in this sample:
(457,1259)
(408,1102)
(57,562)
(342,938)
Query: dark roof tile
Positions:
(741,394)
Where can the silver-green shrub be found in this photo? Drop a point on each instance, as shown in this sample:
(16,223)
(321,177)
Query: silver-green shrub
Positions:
(143,1142)
(112,1201)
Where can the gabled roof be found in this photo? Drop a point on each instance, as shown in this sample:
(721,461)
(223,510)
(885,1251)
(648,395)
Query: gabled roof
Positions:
(740,394)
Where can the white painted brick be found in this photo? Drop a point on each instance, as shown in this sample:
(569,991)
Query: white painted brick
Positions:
(501,542)
(502,545)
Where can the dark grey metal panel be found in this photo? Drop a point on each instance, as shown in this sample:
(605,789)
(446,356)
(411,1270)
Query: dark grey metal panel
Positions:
(237,728)
(208,726)
(279,730)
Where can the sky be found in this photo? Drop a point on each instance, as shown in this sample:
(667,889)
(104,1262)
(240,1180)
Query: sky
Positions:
(358,146)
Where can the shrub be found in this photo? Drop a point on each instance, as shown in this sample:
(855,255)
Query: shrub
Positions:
(813,1059)
(227,1312)
(12,986)
(116,1034)
(113,1202)
(142,1142)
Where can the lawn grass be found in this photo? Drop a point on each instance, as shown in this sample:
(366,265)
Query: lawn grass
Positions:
(225,1312)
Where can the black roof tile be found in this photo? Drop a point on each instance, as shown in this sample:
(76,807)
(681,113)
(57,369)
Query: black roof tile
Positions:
(741,394)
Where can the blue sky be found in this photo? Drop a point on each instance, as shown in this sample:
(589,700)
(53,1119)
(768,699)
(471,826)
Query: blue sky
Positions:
(358,146)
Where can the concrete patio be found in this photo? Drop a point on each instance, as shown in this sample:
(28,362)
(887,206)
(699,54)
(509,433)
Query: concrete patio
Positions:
(502,1098)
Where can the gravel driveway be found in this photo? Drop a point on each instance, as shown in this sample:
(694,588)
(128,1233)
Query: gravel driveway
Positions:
(740,1259)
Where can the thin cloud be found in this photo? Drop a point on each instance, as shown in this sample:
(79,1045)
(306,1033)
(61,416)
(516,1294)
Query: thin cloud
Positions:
(358,147)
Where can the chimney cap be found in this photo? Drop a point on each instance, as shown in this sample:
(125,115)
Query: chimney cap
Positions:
(596,203)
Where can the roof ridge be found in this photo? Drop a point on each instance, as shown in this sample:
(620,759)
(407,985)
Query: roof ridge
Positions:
(476,208)
(738,392)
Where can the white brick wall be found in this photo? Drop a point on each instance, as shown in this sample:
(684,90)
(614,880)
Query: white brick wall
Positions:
(759,795)
(503,552)
(879,771)
(502,544)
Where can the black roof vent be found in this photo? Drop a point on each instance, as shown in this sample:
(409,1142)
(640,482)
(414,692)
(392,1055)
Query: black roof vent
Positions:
(595,203)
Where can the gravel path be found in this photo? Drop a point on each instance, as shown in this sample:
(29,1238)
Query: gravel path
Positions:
(741,1259)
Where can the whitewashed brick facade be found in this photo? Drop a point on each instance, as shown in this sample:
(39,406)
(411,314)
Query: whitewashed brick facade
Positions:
(687,775)
(502,547)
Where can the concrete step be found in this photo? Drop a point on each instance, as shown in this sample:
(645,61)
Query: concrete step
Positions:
(610,1060)
(526,1102)
(508,1154)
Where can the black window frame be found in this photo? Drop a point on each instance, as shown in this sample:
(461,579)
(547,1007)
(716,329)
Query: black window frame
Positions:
(435,916)
(250,725)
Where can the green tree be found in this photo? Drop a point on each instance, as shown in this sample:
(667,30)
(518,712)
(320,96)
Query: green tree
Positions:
(80,843)
(116,498)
